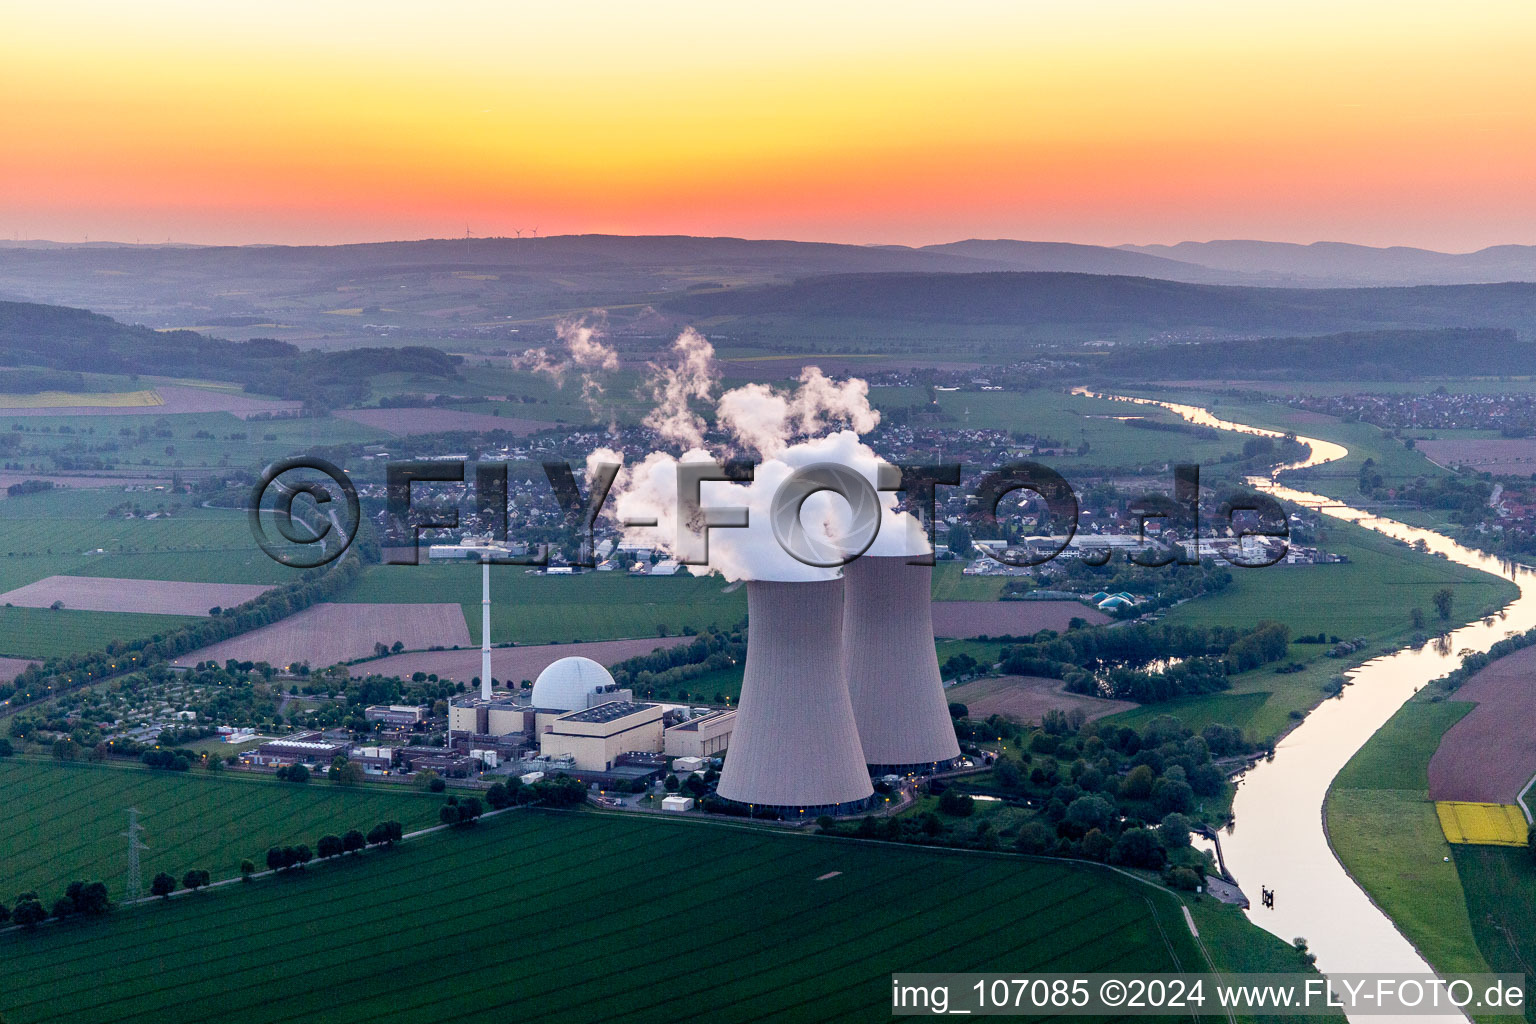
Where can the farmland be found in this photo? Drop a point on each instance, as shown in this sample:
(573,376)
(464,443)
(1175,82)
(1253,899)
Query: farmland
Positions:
(1488,455)
(63,822)
(105,594)
(437,421)
(964,619)
(46,633)
(1028,698)
(1371,596)
(327,633)
(1506,705)
(801,928)
(533,608)
(1385,831)
(79,400)
(167,398)
(512,664)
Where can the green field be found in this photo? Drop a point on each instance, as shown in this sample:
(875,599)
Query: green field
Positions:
(1500,886)
(1383,827)
(534,608)
(1370,596)
(1396,463)
(45,633)
(549,916)
(63,822)
(1071,420)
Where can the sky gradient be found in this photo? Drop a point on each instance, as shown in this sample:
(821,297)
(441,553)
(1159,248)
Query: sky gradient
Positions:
(1379,123)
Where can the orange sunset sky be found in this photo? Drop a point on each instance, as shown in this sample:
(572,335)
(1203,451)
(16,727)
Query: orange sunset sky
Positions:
(1108,122)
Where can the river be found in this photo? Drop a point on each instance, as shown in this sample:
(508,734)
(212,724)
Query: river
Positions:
(1279,839)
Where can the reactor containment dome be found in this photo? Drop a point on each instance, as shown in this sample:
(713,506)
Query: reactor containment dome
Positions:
(566,684)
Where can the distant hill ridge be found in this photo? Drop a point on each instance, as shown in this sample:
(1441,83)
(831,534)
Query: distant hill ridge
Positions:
(1234,261)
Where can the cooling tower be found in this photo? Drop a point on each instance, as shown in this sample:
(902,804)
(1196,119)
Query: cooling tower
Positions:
(795,747)
(893,672)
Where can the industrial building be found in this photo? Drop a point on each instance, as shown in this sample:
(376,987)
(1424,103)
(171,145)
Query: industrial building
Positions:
(570,684)
(893,670)
(304,748)
(596,737)
(704,735)
(795,746)
(395,714)
(498,716)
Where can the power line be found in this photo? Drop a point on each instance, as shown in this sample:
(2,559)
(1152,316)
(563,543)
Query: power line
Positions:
(135,887)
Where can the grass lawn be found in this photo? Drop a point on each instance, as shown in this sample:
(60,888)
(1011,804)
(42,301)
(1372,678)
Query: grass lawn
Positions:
(549,921)
(1383,827)
(63,822)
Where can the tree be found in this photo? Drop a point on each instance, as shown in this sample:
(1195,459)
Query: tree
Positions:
(1138,848)
(195,879)
(497,796)
(671,784)
(247,869)
(302,855)
(275,859)
(89,898)
(63,907)
(956,804)
(1096,845)
(163,885)
(1530,841)
(1444,597)
(29,912)
(385,832)
(437,785)
(1033,838)
(1174,831)
(353,841)
(1138,783)
(825,823)
(1089,812)
(1416,616)
(329,846)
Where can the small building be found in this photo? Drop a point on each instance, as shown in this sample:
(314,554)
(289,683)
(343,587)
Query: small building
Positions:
(688,765)
(677,804)
(703,736)
(530,778)
(374,760)
(596,736)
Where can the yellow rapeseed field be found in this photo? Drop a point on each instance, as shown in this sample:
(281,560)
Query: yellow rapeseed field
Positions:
(1481,824)
(57,399)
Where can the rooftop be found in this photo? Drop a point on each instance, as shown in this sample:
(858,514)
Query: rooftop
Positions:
(609,712)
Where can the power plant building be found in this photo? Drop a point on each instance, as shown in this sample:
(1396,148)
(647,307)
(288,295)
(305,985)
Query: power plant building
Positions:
(702,736)
(893,671)
(795,746)
(596,737)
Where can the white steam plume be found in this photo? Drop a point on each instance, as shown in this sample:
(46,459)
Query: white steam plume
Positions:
(649,492)
(691,376)
(764,420)
(585,353)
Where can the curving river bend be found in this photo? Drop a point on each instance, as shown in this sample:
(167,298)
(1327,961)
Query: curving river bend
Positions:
(1279,839)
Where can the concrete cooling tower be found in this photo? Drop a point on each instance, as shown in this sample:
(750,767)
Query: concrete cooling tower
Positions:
(893,672)
(795,747)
